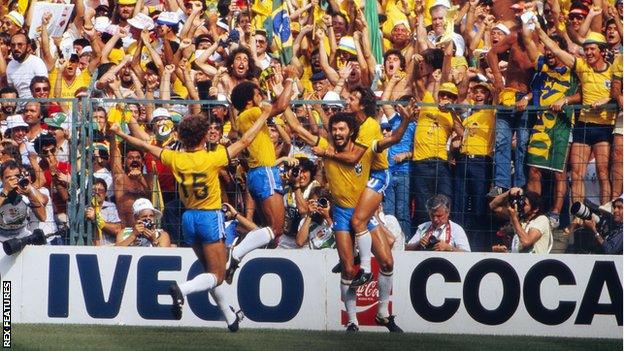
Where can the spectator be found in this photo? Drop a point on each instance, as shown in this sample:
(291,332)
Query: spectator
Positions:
(314,229)
(7,108)
(301,183)
(102,215)
(24,66)
(609,243)
(532,231)
(449,236)
(145,231)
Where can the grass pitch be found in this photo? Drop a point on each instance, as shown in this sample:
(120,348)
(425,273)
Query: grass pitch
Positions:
(91,337)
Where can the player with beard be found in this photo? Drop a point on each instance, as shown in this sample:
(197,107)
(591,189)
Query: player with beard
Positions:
(346,182)
(240,68)
(263,180)
(553,85)
(196,170)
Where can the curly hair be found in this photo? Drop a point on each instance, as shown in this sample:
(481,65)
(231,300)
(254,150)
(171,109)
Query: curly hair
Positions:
(349,119)
(252,71)
(368,100)
(192,130)
(243,93)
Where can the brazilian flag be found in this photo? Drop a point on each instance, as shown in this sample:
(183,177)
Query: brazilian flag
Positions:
(280,28)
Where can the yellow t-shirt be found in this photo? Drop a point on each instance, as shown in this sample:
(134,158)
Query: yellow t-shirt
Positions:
(69,89)
(261,150)
(370,130)
(346,183)
(479,133)
(616,67)
(197,176)
(432,132)
(595,86)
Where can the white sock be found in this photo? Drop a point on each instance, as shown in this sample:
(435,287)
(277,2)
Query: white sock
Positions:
(201,282)
(384,280)
(364,241)
(253,240)
(220,295)
(348,297)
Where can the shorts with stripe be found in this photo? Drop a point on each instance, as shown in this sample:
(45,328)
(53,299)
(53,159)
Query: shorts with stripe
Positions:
(262,182)
(379,180)
(203,226)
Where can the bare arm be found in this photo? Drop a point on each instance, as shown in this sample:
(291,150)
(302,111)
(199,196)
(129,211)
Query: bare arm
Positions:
(532,50)
(136,142)
(300,130)
(492,59)
(331,74)
(565,57)
(246,139)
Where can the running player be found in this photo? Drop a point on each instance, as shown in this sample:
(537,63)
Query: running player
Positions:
(263,180)
(346,184)
(196,171)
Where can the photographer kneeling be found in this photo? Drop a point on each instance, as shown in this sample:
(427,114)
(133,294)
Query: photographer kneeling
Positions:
(18,201)
(144,232)
(532,232)
(439,234)
(605,229)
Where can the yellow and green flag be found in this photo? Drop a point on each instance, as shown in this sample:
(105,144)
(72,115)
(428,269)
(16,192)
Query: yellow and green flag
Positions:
(280,27)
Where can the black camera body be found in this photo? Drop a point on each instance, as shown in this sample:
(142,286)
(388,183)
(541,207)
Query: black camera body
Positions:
(22,180)
(517,201)
(322,202)
(432,242)
(148,224)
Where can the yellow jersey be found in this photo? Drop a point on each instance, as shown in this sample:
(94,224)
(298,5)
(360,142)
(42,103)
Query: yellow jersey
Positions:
(345,183)
(261,149)
(479,130)
(432,131)
(595,86)
(197,176)
(370,130)
(616,67)
(68,90)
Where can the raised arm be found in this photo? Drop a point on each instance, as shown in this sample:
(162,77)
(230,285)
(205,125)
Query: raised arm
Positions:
(283,100)
(492,59)
(529,44)
(565,57)
(298,129)
(407,115)
(330,72)
(136,142)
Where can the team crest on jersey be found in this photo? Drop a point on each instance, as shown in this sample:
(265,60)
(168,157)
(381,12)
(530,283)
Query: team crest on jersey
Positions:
(358,169)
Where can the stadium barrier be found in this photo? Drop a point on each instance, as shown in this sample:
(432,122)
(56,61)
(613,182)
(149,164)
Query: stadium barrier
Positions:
(536,295)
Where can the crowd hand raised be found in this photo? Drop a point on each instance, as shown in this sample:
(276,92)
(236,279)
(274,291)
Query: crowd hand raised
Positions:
(90,213)
(169,69)
(346,70)
(185,43)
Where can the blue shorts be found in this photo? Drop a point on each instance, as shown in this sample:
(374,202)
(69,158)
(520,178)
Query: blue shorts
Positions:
(262,182)
(203,226)
(342,219)
(591,134)
(379,180)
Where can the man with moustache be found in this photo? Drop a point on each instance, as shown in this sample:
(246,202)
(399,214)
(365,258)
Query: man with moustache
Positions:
(7,108)
(240,67)
(24,66)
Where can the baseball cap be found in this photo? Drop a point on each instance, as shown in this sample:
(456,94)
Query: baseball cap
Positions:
(448,87)
(168,18)
(318,76)
(145,204)
(56,120)
(347,44)
(141,21)
(485,85)
(458,61)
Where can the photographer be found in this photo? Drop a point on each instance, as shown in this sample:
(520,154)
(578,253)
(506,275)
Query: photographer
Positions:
(440,233)
(144,231)
(607,238)
(315,229)
(18,201)
(300,178)
(532,232)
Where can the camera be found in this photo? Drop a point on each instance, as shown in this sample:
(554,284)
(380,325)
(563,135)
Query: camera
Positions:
(517,201)
(432,242)
(224,208)
(323,202)
(294,172)
(22,180)
(148,224)
(16,245)
(588,210)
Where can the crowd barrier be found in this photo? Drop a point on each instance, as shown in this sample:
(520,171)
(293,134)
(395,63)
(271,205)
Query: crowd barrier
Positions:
(496,294)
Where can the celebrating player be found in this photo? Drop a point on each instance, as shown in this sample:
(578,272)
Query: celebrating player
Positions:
(196,171)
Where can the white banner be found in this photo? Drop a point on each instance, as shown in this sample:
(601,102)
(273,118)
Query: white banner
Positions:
(468,293)
(61,14)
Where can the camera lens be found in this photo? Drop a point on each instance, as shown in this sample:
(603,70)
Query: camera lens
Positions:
(295,172)
(323,202)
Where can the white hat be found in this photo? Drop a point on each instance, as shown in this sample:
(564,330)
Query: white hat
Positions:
(168,18)
(141,21)
(87,49)
(445,3)
(332,99)
(101,23)
(460,44)
(223,98)
(160,112)
(145,204)
(15,121)
(16,18)
(503,28)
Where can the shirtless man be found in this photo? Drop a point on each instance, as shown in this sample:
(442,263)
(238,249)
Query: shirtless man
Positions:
(514,91)
(240,68)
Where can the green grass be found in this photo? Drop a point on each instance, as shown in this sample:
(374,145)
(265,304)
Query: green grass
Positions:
(91,337)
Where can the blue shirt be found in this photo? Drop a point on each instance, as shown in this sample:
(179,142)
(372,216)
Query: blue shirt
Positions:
(406,144)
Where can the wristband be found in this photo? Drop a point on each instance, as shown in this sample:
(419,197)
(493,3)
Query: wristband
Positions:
(289,80)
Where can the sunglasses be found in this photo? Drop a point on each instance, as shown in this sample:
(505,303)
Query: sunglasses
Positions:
(41,89)
(331,108)
(576,16)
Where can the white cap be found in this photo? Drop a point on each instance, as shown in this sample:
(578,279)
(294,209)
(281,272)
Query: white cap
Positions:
(160,112)
(16,18)
(87,49)
(15,121)
(168,18)
(141,21)
(221,24)
(460,44)
(145,204)
(503,28)
(333,98)
(445,3)
(222,97)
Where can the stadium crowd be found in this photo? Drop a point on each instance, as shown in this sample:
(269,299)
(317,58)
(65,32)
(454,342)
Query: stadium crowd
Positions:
(459,168)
